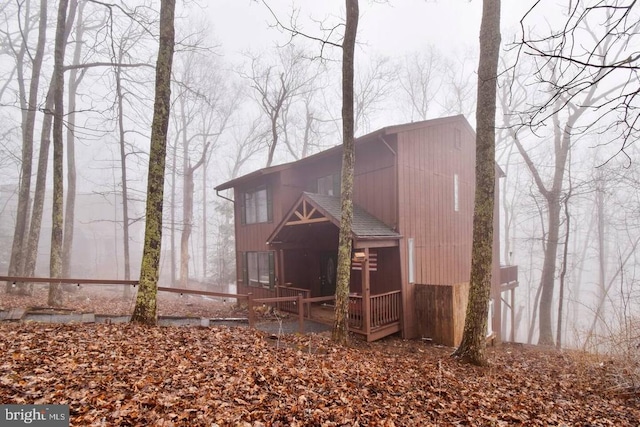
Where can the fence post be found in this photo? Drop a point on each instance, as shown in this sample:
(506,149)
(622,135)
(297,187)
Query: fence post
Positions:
(300,315)
(250,312)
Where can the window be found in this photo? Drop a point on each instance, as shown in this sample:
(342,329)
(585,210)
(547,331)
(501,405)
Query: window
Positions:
(329,185)
(259,269)
(456,191)
(256,206)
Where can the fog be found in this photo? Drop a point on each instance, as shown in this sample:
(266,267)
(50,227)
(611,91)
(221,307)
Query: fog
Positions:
(415,60)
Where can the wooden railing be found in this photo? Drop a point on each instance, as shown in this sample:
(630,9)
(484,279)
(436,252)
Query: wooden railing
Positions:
(289,291)
(508,273)
(356,318)
(385,308)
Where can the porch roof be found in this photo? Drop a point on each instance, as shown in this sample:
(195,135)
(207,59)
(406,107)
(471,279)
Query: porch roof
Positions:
(313,208)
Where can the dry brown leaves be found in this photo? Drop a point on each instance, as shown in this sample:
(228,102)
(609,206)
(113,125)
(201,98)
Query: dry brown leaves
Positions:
(109,300)
(131,375)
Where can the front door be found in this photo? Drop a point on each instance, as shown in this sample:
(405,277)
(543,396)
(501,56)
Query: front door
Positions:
(328,273)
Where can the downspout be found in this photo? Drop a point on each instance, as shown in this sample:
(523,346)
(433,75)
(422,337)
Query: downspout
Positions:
(224,197)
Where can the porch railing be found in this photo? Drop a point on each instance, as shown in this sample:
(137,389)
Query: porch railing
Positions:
(385,308)
(508,273)
(289,291)
(356,320)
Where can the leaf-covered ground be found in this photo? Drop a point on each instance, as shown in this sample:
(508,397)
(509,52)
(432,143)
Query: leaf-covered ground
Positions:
(131,375)
(106,300)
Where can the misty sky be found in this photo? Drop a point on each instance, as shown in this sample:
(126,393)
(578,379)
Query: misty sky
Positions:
(390,28)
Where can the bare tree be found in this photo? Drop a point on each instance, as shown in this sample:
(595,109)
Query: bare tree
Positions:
(75,78)
(568,110)
(340,333)
(373,83)
(28,104)
(472,347)
(55,267)
(145,310)
(420,78)
(460,84)
(594,47)
(275,86)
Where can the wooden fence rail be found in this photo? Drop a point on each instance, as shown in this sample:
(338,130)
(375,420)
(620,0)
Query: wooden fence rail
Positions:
(384,308)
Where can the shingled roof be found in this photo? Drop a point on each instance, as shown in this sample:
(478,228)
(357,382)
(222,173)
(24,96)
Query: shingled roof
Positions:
(364,224)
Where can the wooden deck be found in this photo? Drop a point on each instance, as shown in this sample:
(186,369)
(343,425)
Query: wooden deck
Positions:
(383,316)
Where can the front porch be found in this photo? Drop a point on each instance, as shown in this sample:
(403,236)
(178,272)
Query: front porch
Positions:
(305,245)
(373,319)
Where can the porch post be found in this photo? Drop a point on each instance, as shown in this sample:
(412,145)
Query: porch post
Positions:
(366,294)
(279,274)
(513,314)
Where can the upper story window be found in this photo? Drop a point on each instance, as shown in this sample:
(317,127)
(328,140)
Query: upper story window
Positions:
(329,185)
(257,205)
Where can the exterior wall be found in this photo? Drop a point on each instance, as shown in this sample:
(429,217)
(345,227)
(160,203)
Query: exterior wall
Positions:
(406,179)
(374,190)
(440,312)
(428,158)
(253,237)
(375,180)
(387,276)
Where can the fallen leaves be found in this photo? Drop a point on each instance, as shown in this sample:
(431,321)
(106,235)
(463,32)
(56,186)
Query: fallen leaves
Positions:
(182,376)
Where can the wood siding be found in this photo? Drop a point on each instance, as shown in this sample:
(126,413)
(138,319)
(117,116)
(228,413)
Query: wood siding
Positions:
(440,312)
(404,176)
(374,183)
(428,158)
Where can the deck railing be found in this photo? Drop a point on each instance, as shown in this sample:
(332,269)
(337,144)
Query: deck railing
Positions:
(289,291)
(385,308)
(508,273)
(356,320)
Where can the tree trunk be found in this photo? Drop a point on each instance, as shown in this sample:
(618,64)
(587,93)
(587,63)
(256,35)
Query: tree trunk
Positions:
(472,348)
(55,266)
(547,280)
(126,293)
(27,140)
(340,333)
(187,225)
(174,156)
(41,182)
(69,212)
(205,186)
(563,271)
(18,251)
(43,162)
(145,310)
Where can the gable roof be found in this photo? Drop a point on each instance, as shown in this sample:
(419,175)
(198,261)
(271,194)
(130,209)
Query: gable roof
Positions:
(315,208)
(373,136)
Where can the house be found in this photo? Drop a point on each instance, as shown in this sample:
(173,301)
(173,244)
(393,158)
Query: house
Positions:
(412,230)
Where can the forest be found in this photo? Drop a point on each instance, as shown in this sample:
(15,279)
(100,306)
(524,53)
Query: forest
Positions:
(256,84)
(565,129)
(72,198)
